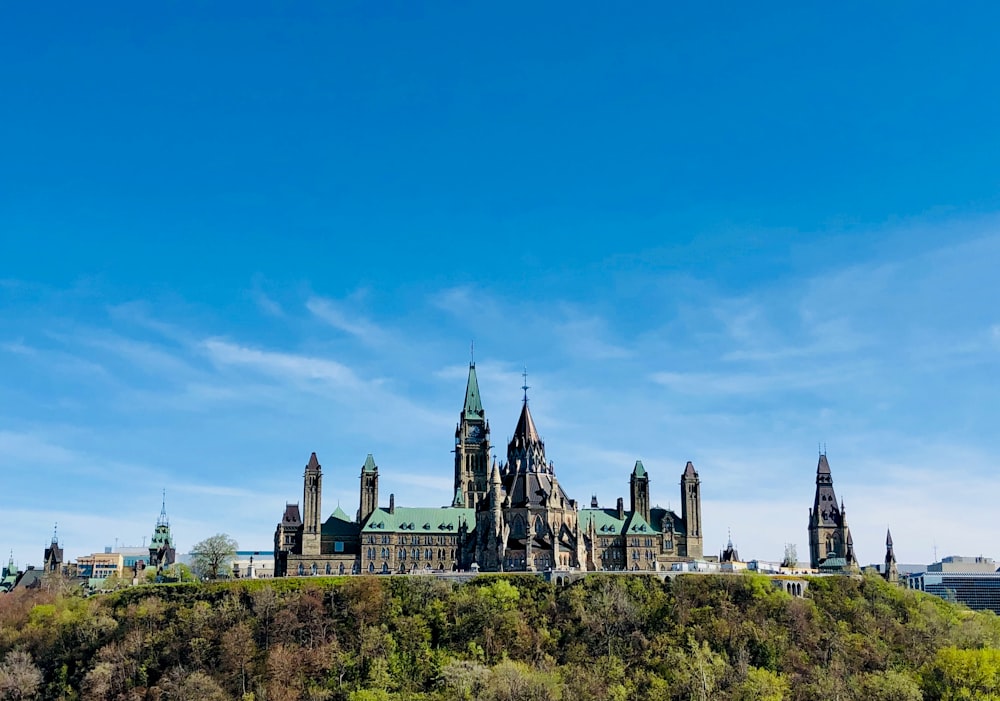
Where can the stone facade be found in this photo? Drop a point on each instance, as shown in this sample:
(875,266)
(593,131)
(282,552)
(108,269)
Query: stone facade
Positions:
(505,516)
(831,547)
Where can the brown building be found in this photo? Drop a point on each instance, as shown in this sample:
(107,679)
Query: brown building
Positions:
(831,547)
(504,516)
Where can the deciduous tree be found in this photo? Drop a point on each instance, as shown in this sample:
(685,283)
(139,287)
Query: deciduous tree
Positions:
(209,557)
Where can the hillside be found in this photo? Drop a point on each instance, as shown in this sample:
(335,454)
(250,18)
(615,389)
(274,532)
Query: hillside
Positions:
(498,637)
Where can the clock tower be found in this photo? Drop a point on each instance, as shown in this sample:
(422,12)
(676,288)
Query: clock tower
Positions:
(472,446)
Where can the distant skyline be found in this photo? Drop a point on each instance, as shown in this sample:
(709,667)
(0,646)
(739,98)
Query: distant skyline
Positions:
(234,235)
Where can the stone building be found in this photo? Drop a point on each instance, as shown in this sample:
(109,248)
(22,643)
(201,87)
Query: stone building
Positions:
(162,553)
(831,547)
(511,515)
(891,571)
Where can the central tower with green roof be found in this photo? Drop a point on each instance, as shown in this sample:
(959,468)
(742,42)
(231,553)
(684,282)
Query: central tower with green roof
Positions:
(472,446)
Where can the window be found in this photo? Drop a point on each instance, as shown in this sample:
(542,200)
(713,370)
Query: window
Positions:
(338,547)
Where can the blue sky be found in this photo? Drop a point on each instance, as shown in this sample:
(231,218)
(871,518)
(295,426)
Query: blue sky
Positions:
(233,235)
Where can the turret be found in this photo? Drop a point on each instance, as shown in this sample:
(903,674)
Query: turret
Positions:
(691,511)
(54,553)
(369,490)
(639,491)
(312,494)
(890,571)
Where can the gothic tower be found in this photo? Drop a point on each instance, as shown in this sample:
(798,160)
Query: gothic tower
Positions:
(54,554)
(890,572)
(161,546)
(639,490)
(472,446)
(369,489)
(691,510)
(829,536)
(311,499)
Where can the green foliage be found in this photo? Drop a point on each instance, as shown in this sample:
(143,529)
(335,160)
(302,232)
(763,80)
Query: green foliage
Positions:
(963,674)
(210,557)
(604,637)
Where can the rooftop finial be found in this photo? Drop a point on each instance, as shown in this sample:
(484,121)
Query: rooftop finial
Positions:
(525,386)
(55,533)
(162,521)
(472,353)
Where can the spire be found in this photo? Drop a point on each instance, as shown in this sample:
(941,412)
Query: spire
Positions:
(473,408)
(639,470)
(162,520)
(888,539)
(313,463)
(369,465)
(823,468)
(689,470)
(526,433)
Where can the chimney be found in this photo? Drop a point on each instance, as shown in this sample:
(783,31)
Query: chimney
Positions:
(392,503)
(621,509)
(593,501)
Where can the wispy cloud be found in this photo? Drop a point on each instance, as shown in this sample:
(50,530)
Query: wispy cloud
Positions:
(288,366)
(334,314)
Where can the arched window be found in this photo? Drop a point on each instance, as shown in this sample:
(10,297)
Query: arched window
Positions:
(517,526)
(341,568)
(314,570)
(371,566)
(302,570)
(329,570)
(539,526)
(385,568)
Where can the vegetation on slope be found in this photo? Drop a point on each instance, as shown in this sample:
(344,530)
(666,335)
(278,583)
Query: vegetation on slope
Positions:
(498,638)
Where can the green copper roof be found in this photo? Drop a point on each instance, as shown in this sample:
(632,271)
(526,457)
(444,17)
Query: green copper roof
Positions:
(369,465)
(419,521)
(473,408)
(339,524)
(339,514)
(639,470)
(606,521)
(459,500)
(635,524)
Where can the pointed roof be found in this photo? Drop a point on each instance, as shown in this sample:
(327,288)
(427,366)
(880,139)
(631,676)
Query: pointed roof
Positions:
(340,515)
(495,474)
(526,431)
(639,470)
(313,463)
(689,470)
(369,465)
(473,408)
(459,501)
(823,468)
(888,538)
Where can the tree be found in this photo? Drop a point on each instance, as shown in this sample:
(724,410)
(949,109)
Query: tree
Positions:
(19,677)
(791,558)
(210,555)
